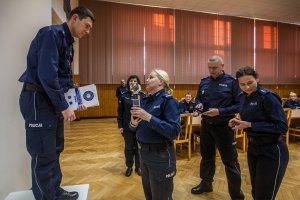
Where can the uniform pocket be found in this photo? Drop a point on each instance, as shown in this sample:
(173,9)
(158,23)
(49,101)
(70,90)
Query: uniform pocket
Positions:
(41,136)
(164,174)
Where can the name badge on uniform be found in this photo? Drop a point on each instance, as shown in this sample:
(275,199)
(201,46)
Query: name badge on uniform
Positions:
(158,106)
(253,103)
(223,85)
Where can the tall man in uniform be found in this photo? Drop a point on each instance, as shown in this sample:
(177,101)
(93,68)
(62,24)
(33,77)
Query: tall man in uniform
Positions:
(221,91)
(42,103)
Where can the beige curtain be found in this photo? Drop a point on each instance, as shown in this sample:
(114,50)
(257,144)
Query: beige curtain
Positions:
(242,46)
(266,51)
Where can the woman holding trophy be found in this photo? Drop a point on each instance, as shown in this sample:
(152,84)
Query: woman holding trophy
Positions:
(157,124)
(124,106)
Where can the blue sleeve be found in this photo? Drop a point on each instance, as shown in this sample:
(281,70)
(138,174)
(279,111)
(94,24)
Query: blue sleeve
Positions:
(48,64)
(288,104)
(234,108)
(277,121)
(169,126)
(181,107)
(120,112)
(198,96)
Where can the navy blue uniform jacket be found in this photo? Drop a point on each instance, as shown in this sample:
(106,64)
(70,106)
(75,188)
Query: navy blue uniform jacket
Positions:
(164,125)
(292,104)
(186,107)
(221,93)
(49,63)
(263,109)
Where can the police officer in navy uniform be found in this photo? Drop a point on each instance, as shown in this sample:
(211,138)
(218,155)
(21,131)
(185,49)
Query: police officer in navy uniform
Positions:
(42,103)
(187,105)
(264,120)
(220,91)
(121,89)
(293,102)
(124,116)
(157,125)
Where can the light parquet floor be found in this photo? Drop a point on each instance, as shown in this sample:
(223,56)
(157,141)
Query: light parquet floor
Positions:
(94,155)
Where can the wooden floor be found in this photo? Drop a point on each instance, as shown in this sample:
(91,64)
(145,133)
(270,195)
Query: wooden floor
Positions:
(94,155)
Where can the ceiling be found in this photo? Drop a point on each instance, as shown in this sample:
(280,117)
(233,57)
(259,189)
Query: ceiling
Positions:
(275,10)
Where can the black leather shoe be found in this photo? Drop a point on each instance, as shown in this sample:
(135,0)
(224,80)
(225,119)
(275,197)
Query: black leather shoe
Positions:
(65,195)
(128,171)
(199,189)
(138,171)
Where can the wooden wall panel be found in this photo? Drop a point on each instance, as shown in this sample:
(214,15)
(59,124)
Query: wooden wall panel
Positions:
(109,103)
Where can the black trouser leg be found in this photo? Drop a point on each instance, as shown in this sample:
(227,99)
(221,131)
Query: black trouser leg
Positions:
(223,137)
(208,153)
(131,150)
(41,123)
(267,165)
(227,147)
(158,171)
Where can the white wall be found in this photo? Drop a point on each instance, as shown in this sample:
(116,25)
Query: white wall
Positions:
(19,22)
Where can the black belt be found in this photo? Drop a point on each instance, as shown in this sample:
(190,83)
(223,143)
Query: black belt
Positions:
(34,88)
(154,146)
(264,140)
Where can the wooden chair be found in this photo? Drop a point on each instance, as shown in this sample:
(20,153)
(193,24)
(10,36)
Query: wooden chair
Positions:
(295,132)
(288,113)
(184,136)
(241,134)
(196,140)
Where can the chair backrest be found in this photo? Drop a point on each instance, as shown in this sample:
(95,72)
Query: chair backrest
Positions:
(283,100)
(185,126)
(239,133)
(288,113)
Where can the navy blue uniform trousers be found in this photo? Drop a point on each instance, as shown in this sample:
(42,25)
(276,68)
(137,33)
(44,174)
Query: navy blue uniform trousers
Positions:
(222,137)
(158,169)
(267,164)
(44,142)
(131,149)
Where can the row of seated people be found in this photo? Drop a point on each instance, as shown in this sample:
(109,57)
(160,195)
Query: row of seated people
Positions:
(188,104)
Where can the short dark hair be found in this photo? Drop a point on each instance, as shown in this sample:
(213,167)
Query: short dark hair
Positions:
(132,77)
(246,71)
(82,13)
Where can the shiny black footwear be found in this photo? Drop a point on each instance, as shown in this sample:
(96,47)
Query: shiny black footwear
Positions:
(199,189)
(138,171)
(65,195)
(128,171)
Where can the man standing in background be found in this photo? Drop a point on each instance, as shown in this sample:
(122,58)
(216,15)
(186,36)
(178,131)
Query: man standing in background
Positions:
(121,89)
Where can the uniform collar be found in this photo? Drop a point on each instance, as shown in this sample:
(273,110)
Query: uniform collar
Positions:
(255,92)
(69,37)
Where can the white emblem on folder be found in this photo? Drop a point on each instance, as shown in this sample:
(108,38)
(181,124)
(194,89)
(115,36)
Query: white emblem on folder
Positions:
(86,95)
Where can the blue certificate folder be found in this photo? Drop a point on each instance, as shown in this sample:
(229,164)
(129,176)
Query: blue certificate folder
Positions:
(86,95)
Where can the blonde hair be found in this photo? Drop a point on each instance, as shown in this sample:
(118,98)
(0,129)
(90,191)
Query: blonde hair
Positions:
(162,75)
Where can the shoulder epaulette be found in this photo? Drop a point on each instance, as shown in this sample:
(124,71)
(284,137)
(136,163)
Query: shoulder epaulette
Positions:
(263,91)
(167,96)
(205,78)
(124,92)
